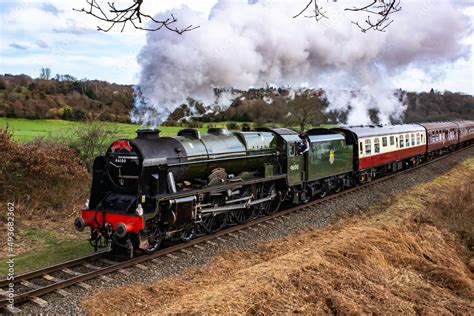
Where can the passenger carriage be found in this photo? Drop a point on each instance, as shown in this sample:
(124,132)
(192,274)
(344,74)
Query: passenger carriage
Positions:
(466,132)
(441,137)
(379,149)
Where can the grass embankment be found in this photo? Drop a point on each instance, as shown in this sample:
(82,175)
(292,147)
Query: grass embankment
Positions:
(48,247)
(411,255)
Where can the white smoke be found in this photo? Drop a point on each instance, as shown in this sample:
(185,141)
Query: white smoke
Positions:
(243,44)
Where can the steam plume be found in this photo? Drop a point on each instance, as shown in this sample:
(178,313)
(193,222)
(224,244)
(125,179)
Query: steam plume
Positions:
(258,43)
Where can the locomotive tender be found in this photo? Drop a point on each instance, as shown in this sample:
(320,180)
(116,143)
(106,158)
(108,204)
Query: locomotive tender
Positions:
(151,188)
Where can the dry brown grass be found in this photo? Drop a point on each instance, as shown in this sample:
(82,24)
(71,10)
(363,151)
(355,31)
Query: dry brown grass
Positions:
(409,257)
(45,181)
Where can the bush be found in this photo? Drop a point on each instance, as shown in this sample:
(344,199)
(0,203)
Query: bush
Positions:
(91,140)
(171,123)
(106,117)
(194,124)
(74,114)
(259,123)
(233,126)
(41,175)
(91,94)
(11,112)
(78,115)
(246,127)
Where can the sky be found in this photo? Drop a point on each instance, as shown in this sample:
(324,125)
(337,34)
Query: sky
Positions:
(36,34)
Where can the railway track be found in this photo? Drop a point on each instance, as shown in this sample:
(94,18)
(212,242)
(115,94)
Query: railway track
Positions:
(31,286)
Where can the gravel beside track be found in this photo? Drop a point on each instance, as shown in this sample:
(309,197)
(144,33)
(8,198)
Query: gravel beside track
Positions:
(316,217)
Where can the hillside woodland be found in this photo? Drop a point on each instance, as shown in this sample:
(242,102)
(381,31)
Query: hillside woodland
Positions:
(65,97)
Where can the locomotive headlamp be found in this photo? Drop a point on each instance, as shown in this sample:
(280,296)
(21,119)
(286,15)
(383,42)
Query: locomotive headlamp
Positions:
(139,210)
(121,230)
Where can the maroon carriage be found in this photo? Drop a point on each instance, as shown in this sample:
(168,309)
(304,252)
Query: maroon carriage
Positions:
(466,132)
(441,136)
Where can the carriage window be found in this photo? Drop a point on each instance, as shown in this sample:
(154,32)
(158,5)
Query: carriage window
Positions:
(413,139)
(407,140)
(384,141)
(422,138)
(368,146)
(392,142)
(418,139)
(361,148)
(401,141)
(377,145)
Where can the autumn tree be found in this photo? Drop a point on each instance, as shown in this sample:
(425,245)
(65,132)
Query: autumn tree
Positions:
(305,111)
(45,73)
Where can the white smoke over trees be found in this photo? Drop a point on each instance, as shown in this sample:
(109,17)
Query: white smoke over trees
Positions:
(254,44)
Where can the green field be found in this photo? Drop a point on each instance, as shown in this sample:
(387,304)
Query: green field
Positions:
(24,130)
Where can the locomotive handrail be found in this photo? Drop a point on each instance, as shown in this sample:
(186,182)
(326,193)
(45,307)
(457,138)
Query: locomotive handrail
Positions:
(223,159)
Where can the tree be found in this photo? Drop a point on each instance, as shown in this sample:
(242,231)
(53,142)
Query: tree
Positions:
(378,19)
(45,73)
(133,15)
(305,110)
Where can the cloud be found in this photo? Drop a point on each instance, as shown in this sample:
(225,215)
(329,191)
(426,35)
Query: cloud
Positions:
(18,46)
(41,44)
(49,7)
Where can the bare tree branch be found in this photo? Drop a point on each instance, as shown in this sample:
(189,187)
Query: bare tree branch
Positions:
(377,20)
(131,15)
(381,10)
(318,12)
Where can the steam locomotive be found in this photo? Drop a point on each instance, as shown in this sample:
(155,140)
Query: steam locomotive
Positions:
(151,189)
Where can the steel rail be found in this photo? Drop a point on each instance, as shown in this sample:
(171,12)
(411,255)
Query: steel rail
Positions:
(53,268)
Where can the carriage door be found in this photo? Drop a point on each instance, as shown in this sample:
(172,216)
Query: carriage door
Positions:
(295,164)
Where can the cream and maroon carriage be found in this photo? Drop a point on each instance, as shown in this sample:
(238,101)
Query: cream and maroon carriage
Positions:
(381,149)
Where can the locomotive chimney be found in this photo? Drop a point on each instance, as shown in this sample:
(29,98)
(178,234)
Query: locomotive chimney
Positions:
(148,133)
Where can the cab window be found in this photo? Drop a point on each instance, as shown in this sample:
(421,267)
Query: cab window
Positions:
(292,151)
